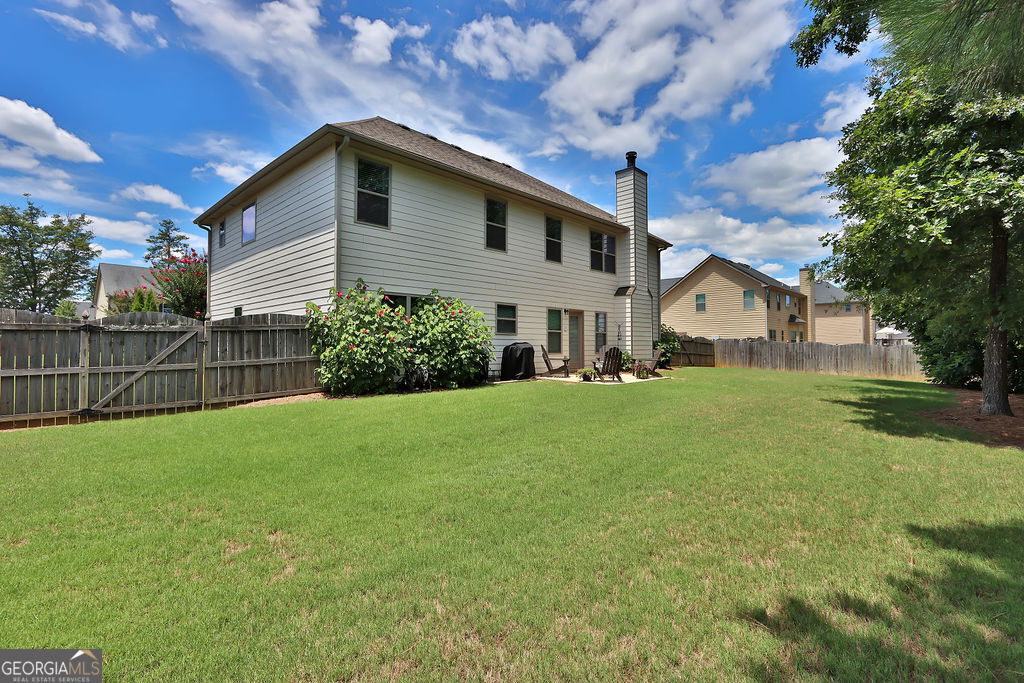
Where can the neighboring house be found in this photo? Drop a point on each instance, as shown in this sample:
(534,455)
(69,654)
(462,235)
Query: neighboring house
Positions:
(112,278)
(839,318)
(85,309)
(725,299)
(406,212)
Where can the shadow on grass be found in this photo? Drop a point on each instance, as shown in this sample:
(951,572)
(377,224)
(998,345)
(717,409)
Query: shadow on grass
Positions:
(963,621)
(892,407)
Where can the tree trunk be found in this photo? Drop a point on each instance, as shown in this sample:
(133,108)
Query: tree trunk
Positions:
(995,378)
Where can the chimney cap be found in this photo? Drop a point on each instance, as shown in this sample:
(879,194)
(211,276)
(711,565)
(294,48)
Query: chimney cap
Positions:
(631,159)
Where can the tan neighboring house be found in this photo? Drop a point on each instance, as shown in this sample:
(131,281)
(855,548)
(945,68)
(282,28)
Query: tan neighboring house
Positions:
(839,318)
(112,278)
(730,300)
(408,213)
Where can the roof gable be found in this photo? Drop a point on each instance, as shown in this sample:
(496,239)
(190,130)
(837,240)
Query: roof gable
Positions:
(741,268)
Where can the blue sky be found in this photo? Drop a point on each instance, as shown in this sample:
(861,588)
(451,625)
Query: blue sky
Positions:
(135,111)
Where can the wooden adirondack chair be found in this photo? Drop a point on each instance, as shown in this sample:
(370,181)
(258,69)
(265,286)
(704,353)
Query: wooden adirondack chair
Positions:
(552,371)
(652,365)
(611,365)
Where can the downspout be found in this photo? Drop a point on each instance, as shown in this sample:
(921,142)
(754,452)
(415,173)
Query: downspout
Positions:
(209,262)
(337,210)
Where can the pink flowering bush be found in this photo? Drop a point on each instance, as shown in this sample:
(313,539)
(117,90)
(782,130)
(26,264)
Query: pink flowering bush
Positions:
(181,283)
(369,344)
(361,340)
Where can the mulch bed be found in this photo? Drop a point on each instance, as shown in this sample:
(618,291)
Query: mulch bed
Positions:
(1002,430)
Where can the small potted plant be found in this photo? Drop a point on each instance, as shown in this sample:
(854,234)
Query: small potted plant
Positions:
(640,371)
(587,374)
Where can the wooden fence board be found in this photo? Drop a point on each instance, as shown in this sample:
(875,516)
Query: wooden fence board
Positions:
(864,360)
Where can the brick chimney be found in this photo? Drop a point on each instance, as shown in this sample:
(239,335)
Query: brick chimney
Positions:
(807,287)
(631,211)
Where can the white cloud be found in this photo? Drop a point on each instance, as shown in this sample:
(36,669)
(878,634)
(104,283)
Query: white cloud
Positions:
(502,49)
(424,60)
(36,129)
(17,157)
(107,254)
(775,238)
(156,194)
(741,110)
(679,261)
(842,107)
(786,177)
(373,38)
(695,54)
(771,268)
(133,232)
(145,216)
(226,156)
(108,23)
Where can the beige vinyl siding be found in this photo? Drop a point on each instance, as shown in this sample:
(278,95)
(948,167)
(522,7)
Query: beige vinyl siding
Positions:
(778,320)
(292,259)
(436,240)
(725,316)
(834,325)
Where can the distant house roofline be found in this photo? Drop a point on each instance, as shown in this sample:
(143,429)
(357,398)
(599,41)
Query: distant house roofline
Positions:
(743,268)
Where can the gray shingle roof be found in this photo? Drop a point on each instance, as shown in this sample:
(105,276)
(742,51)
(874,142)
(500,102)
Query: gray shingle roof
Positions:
(828,293)
(118,277)
(668,283)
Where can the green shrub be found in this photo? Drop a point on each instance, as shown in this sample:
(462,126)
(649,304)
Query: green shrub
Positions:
(587,374)
(640,371)
(451,340)
(181,281)
(368,344)
(66,309)
(143,300)
(670,345)
(627,361)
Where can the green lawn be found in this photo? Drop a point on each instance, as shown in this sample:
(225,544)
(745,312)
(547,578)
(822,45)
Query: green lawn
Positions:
(726,523)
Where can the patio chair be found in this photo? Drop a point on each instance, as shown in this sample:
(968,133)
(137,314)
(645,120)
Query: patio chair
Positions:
(652,365)
(552,371)
(611,365)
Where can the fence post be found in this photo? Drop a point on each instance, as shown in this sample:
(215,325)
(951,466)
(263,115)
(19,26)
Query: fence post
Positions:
(202,342)
(83,366)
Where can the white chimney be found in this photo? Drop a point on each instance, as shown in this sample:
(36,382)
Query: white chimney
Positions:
(631,211)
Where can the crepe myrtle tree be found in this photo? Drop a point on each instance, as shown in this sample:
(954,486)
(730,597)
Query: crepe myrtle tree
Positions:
(181,283)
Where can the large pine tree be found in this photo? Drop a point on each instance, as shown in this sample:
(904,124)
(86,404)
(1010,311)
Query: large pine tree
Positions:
(166,243)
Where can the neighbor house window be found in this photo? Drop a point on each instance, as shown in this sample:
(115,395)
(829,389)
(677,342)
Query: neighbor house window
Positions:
(373,193)
(505,322)
(553,239)
(778,302)
(222,234)
(801,335)
(497,224)
(602,252)
(848,308)
(798,311)
(554,330)
(249,223)
(701,301)
(787,301)
(748,298)
(600,330)
(768,298)
(771,335)
(792,335)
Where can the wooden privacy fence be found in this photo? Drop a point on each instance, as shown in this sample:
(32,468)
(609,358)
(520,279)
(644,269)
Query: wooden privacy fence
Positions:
(694,351)
(64,370)
(866,360)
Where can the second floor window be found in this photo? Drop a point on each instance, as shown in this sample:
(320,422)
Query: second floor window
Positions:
(602,252)
(748,298)
(373,193)
(222,234)
(497,225)
(778,302)
(249,223)
(701,302)
(553,239)
(787,301)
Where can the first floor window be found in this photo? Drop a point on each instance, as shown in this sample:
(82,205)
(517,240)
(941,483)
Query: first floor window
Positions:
(398,302)
(748,298)
(801,335)
(222,234)
(602,252)
(497,224)
(238,311)
(771,335)
(792,335)
(849,308)
(600,330)
(701,302)
(505,320)
(373,192)
(554,330)
(249,223)
(553,239)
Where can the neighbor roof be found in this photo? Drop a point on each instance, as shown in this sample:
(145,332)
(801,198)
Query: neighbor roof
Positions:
(828,293)
(118,277)
(669,283)
(398,137)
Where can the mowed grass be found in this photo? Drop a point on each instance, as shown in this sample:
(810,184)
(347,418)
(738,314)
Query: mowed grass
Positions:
(726,523)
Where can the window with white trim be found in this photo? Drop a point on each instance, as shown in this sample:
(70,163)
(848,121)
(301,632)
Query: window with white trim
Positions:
(497,225)
(373,193)
(249,223)
(554,330)
(505,319)
(602,252)
(553,239)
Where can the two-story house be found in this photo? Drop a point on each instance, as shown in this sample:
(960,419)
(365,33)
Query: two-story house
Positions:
(726,299)
(404,211)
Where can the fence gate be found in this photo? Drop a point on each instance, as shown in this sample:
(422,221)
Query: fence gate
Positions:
(52,368)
